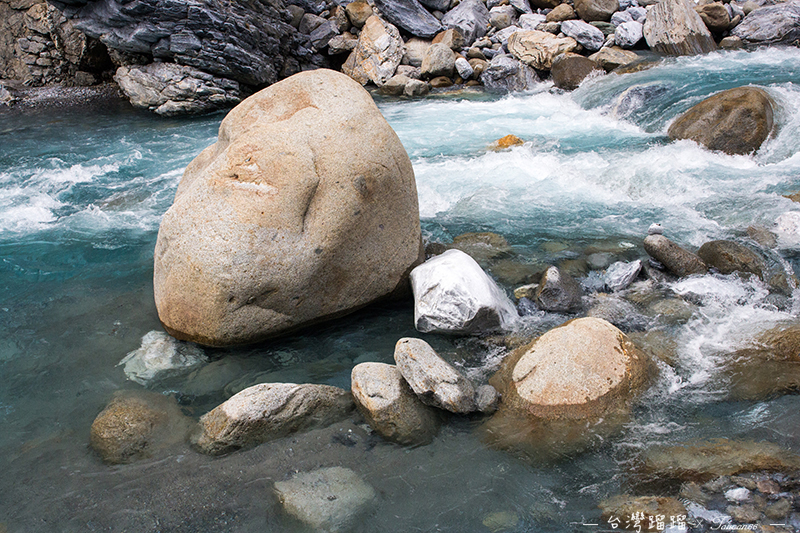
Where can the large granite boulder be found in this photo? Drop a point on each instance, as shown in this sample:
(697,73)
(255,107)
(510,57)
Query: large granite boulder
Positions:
(328,499)
(410,16)
(435,381)
(596,10)
(249,42)
(136,424)
(391,408)
(672,27)
(452,294)
(269,411)
(772,24)
(539,48)
(169,89)
(470,17)
(675,259)
(736,121)
(304,209)
(508,74)
(377,54)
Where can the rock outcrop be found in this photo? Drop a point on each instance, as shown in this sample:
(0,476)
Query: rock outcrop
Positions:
(249,42)
(672,27)
(452,294)
(389,405)
(736,121)
(40,46)
(269,411)
(305,209)
(169,89)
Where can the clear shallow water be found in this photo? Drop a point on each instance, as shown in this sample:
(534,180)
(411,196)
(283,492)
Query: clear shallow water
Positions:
(81,196)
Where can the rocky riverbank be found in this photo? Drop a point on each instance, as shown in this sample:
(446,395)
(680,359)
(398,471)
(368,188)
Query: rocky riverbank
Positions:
(176,58)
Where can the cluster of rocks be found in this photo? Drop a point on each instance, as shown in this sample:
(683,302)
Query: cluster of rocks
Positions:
(723,485)
(402,47)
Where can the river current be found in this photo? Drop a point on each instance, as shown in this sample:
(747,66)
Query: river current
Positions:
(81,196)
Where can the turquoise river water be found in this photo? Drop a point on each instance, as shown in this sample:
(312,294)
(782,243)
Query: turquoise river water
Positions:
(81,196)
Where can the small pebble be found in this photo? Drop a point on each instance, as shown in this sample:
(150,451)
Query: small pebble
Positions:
(655,229)
(737,495)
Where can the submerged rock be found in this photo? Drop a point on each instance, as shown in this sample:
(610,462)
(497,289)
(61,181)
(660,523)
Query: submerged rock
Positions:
(159,357)
(674,258)
(328,499)
(729,257)
(305,209)
(558,291)
(485,246)
(269,411)
(770,368)
(705,460)
(435,381)
(452,294)
(169,89)
(389,405)
(135,424)
(672,27)
(736,121)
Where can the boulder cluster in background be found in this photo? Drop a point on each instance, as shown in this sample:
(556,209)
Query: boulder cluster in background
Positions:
(403,47)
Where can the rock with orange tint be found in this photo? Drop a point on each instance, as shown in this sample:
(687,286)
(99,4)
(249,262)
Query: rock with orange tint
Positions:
(506,142)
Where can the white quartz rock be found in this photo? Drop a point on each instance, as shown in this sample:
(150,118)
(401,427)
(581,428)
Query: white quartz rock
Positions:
(452,294)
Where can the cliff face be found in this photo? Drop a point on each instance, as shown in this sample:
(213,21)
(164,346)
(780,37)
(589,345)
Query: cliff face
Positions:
(39,45)
(249,41)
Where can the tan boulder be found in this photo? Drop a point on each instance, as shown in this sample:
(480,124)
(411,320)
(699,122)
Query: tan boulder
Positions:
(539,48)
(305,209)
(736,121)
(612,57)
(377,54)
(714,16)
(358,12)
(560,13)
(596,10)
(390,406)
(569,70)
(135,424)
(269,411)
(579,370)
(675,259)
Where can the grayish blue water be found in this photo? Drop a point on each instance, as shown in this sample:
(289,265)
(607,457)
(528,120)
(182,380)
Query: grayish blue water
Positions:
(81,196)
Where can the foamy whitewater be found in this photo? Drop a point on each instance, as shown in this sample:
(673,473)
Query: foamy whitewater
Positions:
(81,197)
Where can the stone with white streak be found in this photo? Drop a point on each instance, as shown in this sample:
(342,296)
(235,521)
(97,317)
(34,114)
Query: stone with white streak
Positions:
(452,294)
(269,411)
(435,381)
